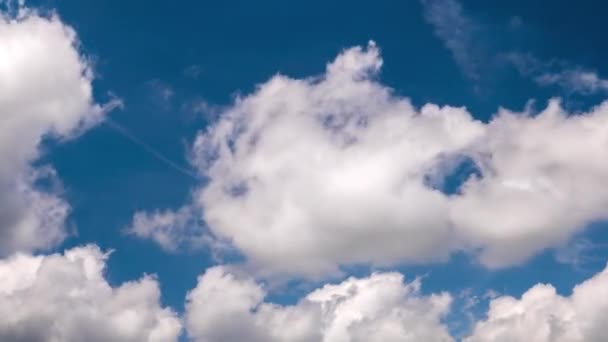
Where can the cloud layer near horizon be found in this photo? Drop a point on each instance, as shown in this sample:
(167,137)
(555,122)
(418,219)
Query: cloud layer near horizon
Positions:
(64,297)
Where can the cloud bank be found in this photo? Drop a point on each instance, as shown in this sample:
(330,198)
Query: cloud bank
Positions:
(226,306)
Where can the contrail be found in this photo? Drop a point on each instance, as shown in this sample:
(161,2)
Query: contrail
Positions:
(159,156)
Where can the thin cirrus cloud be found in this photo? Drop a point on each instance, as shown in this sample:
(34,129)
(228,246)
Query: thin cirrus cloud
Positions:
(307,175)
(460,34)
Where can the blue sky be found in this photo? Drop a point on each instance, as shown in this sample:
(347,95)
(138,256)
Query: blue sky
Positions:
(179,68)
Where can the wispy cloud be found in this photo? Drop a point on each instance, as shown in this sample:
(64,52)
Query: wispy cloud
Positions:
(193,71)
(575,81)
(161,93)
(572,79)
(462,36)
(456,31)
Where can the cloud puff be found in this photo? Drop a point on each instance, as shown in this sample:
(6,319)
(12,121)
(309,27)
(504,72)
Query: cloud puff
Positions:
(227,307)
(543,315)
(306,175)
(66,298)
(541,182)
(45,91)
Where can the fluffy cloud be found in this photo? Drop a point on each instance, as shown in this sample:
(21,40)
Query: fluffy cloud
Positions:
(170,229)
(543,315)
(306,175)
(66,298)
(227,307)
(323,171)
(45,91)
(542,177)
(177,230)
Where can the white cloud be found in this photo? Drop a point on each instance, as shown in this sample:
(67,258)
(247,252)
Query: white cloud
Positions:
(227,307)
(45,91)
(170,229)
(66,298)
(306,175)
(177,230)
(543,315)
(542,176)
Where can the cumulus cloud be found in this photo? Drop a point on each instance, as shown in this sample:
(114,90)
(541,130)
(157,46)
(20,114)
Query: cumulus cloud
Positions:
(66,298)
(45,91)
(227,307)
(306,175)
(322,171)
(543,315)
(541,177)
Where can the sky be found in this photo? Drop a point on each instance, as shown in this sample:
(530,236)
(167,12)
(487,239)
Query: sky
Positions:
(303,171)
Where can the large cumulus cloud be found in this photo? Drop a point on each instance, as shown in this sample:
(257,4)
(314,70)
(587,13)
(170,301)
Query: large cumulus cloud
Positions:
(45,91)
(64,297)
(305,175)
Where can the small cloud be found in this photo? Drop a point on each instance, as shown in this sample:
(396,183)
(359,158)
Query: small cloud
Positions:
(576,253)
(201,109)
(193,71)
(161,89)
(570,78)
(575,81)
(515,23)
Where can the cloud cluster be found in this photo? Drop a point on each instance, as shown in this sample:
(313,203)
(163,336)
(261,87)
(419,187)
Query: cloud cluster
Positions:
(306,175)
(45,91)
(382,307)
(227,307)
(66,298)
